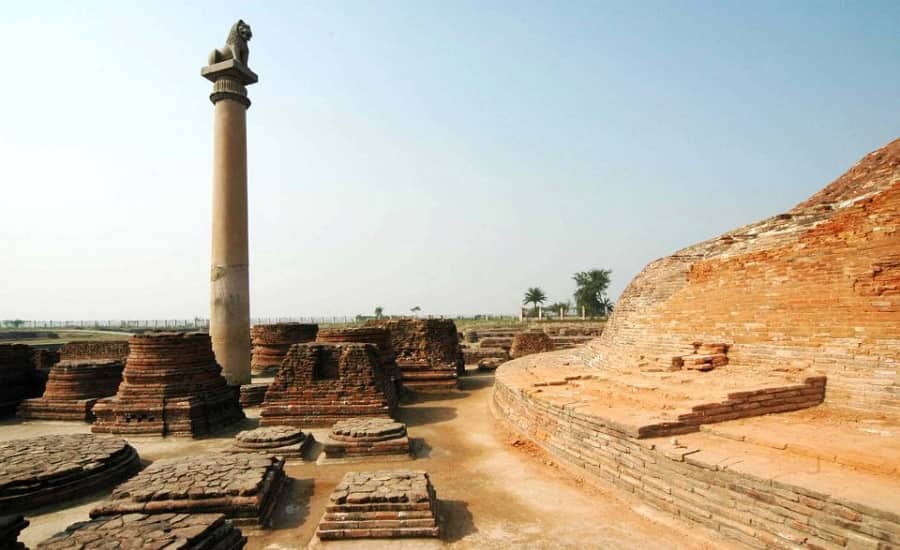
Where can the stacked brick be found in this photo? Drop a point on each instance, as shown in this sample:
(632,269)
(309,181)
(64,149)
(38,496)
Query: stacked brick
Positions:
(364,437)
(381,504)
(18,377)
(252,395)
(116,350)
(243,486)
(286,441)
(49,469)
(169,531)
(10,527)
(171,385)
(381,338)
(428,352)
(272,342)
(526,343)
(73,388)
(319,384)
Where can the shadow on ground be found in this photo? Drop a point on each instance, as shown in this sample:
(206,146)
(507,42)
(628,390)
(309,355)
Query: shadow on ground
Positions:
(420,416)
(457,520)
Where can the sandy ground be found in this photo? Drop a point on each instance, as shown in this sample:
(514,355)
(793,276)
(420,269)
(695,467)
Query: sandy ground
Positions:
(495,490)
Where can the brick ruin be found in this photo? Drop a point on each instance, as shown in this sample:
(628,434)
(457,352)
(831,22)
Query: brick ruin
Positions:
(428,352)
(73,388)
(286,441)
(381,504)
(319,384)
(771,352)
(532,341)
(42,470)
(115,349)
(171,385)
(272,342)
(357,438)
(169,531)
(381,338)
(19,379)
(252,395)
(245,487)
(491,347)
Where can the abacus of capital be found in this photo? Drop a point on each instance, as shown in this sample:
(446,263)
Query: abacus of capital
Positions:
(229,316)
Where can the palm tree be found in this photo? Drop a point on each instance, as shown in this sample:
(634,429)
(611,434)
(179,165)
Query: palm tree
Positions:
(590,287)
(379,312)
(534,295)
(415,310)
(606,305)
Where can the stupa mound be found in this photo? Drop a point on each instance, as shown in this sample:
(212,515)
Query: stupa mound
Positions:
(10,527)
(19,380)
(158,531)
(797,311)
(286,441)
(428,352)
(272,342)
(319,384)
(73,388)
(532,341)
(54,468)
(86,351)
(171,385)
(382,504)
(245,487)
(363,437)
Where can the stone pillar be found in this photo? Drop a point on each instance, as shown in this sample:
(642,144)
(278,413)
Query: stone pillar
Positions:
(229,301)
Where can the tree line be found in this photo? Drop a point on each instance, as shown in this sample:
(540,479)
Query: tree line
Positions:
(590,294)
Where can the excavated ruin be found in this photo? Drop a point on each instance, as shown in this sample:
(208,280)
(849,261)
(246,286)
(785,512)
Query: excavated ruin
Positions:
(427,351)
(319,384)
(116,350)
(286,441)
(158,531)
(381,338)
(532,341)
(717,344)
(272,342)
(364,437)
(171,385)
(73,388)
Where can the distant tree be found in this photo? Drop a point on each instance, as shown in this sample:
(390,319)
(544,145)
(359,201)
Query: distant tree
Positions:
(565,306)
(535,296)
(16,323)
(606,305)
(590,288)
(415,310)
(379,312)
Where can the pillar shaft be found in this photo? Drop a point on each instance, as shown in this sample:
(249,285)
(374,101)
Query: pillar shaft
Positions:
(229,293)
(229,306)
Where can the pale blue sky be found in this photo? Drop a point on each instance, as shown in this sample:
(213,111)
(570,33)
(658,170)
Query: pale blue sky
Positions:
(441,154)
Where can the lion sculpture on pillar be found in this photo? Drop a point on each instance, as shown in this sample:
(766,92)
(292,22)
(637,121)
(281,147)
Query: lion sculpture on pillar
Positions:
(235,45)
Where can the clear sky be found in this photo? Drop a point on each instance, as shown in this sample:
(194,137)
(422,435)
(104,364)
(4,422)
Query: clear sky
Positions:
(440,154)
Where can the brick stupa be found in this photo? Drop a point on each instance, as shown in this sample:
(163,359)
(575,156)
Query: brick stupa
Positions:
(772,352)
(73,388)
(171,385)
(272,342)
(381,338)
(428,352)
(319,384)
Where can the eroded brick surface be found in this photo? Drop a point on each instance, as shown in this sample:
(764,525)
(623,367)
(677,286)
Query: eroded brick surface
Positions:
(115,350)
(357,437)
(245,487)
(73,387)
(533,341)
(152,532)
(287,441)
(381,504)
(53,468)
(428,352)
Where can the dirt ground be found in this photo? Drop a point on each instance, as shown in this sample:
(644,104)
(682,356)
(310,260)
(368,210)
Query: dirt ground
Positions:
(495,490)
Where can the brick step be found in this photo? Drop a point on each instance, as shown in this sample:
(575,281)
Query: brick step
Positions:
(379,533)
(366,516)
(328,523)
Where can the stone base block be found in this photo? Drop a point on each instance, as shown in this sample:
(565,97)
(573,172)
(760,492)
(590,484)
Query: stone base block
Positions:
(169,531)
(284,441)
(245,487)
(381,504)
(50,469)
(365,437)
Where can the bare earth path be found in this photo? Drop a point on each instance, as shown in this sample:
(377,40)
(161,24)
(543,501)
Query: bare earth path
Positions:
(495,491)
